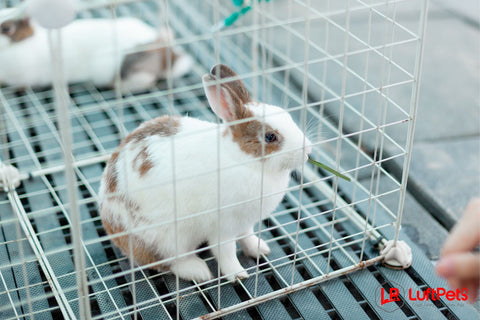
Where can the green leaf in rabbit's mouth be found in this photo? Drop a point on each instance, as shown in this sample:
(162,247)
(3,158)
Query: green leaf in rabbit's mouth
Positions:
(325,167)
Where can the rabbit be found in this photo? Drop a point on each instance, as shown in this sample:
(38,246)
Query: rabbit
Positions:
(89,48)
(207,177)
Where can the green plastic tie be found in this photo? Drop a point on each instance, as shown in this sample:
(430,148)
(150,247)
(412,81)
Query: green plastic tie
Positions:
(234,16)
(231,20)
(238,3)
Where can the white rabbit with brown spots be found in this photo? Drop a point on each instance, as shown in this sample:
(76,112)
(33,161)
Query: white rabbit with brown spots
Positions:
(215,180)
(89,51)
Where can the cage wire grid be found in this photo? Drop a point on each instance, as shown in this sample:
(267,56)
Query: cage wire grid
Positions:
(323,229)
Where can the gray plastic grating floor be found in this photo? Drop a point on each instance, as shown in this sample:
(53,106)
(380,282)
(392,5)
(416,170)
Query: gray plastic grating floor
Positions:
(116,292)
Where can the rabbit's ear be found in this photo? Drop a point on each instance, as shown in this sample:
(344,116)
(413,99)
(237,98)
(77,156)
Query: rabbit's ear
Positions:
(226,98)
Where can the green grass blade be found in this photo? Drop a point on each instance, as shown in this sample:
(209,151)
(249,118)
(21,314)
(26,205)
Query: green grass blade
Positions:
(325,167)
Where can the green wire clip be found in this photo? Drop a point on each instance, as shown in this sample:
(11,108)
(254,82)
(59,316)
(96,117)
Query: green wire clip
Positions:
(245,6)
(238,3)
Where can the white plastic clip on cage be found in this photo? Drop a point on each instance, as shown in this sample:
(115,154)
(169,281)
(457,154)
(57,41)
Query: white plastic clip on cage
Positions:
(345,71)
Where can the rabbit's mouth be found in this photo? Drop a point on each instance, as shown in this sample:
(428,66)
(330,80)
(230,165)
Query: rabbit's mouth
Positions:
(307,151)
(305,158)
(295,160)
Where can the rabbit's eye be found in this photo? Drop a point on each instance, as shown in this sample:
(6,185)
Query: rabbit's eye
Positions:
(270,137)
(6,28)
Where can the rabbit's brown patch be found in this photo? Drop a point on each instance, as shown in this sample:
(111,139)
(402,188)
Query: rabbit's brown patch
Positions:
(142,254)
(157,61)
(142,162)
(131,206)
(168,58)
(111,174)
(250,136)
(17,30)
(164,126)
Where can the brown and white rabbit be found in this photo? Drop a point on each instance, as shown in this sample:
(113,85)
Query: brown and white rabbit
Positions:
(208,177)
(89,48)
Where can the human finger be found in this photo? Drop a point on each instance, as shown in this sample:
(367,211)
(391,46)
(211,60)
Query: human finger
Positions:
(472,290)
(462,266)
(465,235)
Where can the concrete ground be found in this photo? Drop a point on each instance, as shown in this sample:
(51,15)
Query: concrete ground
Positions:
(445,170)
(445,166)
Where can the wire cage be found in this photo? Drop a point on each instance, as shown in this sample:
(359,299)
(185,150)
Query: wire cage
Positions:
(346,71)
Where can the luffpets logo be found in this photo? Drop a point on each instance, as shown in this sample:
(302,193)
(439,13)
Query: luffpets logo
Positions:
(437,294)
(391,298)
(388,296)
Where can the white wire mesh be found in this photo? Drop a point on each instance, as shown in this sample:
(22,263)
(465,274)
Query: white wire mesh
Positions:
(347,71)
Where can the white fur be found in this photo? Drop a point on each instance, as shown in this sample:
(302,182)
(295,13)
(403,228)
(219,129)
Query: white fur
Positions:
(9,176)
(205,168)
(89,47)
(182,66)
(138,82)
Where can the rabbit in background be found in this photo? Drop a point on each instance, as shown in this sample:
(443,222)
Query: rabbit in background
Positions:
(90,50)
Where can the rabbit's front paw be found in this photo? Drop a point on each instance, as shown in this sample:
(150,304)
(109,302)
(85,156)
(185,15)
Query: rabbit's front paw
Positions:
(233,270)
(191,268)
(253,246)
(243,274)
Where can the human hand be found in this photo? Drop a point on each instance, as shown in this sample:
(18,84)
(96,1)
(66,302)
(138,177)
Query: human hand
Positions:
(458,264)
